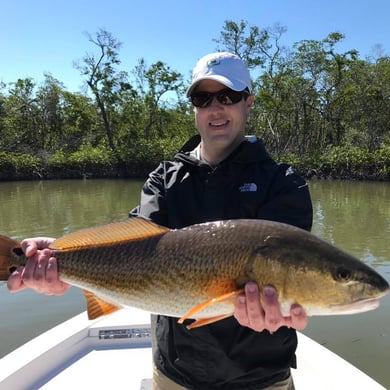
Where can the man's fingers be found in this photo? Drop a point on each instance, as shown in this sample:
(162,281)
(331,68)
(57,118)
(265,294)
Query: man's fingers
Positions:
(30,246)
(40,272)
(240,312)
(298,318)
(271,307)
(54,285)
(248,310)
(254,309)
(15,282)
(261,310)
(34,274)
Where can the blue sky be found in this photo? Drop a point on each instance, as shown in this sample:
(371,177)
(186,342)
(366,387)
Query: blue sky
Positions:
(38,36)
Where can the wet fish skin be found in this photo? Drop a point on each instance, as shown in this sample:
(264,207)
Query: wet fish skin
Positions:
(137,263)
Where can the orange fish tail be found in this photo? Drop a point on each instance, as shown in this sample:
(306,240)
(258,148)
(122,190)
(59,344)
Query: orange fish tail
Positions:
(10,253)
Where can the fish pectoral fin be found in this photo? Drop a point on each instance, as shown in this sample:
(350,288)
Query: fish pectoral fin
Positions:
(97,307)
(228,297)
(208,320)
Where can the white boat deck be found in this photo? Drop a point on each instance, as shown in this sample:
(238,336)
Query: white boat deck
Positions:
(115,353)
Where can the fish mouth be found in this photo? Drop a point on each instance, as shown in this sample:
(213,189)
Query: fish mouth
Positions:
(358,306)
(362,305)
(355,307)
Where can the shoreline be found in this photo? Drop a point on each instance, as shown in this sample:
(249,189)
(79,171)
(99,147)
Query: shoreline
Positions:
(142,172)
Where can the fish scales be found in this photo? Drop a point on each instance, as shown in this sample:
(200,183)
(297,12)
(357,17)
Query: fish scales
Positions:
(181,268)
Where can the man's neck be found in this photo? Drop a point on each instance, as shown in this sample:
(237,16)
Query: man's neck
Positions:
(214,155)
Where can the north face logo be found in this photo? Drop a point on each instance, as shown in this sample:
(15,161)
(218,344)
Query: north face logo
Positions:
(248,187)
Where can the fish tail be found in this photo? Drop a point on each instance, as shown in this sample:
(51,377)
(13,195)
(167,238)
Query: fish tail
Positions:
(10,256)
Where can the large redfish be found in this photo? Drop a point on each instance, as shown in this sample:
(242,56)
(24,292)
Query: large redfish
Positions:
(196,272)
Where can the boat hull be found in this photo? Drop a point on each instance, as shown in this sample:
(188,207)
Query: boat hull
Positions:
(115,352)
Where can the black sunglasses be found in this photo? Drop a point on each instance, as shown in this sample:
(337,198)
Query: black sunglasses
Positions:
(226,97)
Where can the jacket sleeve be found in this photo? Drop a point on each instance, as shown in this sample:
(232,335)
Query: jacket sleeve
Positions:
(152,203)
(288,200)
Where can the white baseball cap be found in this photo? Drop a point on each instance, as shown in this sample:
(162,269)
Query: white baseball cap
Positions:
(226,68)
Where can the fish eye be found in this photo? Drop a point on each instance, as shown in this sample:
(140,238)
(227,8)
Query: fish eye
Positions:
(342,274)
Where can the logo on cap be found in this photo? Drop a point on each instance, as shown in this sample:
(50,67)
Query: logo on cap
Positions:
(213,62)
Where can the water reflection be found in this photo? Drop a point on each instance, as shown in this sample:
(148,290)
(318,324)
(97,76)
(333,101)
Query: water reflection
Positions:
(53,208)
(354,216)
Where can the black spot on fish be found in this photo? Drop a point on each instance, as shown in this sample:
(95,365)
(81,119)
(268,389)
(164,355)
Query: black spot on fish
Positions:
(18,251)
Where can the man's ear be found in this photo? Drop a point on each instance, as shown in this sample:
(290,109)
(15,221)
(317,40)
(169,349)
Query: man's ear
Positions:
(249,101)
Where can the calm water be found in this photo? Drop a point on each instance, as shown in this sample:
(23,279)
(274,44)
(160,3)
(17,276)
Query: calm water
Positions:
(352,215)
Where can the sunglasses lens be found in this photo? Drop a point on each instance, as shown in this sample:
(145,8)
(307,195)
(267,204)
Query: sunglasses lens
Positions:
(229,97)
(201,99)
(226,97)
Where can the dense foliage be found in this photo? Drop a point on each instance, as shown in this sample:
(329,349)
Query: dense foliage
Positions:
(324,111)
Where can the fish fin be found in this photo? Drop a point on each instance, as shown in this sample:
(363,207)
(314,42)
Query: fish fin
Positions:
(208,320)
(97,307)
(114,233)
(222,298)
(10,256)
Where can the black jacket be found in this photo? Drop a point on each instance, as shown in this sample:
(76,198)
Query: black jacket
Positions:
(248,184)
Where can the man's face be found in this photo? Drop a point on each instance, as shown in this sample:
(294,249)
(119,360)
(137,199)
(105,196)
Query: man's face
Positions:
(221,126)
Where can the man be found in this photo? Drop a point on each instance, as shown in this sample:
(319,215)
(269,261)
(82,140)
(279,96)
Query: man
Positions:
(218,174)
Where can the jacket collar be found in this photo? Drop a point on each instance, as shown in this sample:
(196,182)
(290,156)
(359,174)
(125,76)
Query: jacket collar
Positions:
(250,150)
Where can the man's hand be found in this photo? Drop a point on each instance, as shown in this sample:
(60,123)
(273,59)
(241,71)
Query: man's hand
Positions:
(40,272)
(261,311)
